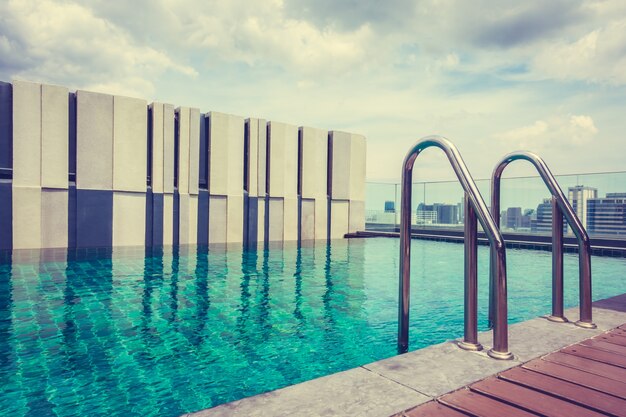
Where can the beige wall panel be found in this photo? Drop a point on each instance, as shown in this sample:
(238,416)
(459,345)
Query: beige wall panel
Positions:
(276,220)
(290,207)
(283,160)
(339,218)
(193,220)
(129,219)
(314,162)
(129,144)
(357,168)
(54,218)
(234,221)
(168,148)
(262,158)
(340,175)
(218,208)
(194,150)
(357,216)
(54,136)
(168,219)
(226,146)
(261,220)
(157,147)
(321,218)
(26,134)
(253,156)
(307,220)
(94,141)
(188,231)
(183,150)
(26,217)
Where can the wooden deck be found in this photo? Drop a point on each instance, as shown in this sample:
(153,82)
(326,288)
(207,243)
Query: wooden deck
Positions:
(585,379)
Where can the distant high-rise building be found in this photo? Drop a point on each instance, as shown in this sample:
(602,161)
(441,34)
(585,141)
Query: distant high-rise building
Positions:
(447,213)
(578,197)
(607,215)
(390,206)
(426,214)
(544,217)
(513,217)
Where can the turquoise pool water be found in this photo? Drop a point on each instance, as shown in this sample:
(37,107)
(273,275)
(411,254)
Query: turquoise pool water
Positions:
(125,334)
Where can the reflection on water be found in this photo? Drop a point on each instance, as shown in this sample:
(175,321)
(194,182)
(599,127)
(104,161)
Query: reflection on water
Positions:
(173,330)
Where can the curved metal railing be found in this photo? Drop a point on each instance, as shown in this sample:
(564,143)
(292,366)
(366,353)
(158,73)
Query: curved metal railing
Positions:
(475,208)
(560,208)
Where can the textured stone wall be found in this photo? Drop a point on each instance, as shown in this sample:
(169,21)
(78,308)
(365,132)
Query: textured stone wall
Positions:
(85,169)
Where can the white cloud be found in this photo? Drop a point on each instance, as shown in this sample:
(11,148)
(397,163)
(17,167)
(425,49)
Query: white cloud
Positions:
(67,43)
(553,132)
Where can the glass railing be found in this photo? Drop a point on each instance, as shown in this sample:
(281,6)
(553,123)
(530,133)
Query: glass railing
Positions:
(599,200)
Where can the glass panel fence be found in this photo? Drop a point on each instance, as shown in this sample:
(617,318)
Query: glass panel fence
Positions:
(599,200)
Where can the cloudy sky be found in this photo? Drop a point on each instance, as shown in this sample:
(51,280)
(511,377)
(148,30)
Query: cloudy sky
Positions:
(493,76)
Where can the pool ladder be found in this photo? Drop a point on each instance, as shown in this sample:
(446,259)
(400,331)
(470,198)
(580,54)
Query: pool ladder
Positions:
(475,210)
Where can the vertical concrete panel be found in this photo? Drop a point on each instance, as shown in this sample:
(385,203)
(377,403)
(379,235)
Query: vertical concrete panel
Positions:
(168,148)
(283,180)
(54,217)
(26,134)
(261,219)
(253,156)
(340,147)
(54,136)
(129,144)
(157,147)
(262,158)
(357,216)
(129,219)
(218,209)
(339,218)
(26,217)
(313,174)
(226,159)
(194,150)
(314,159)
(234,219)
(192,239)
(183,150)
(168,219)
(94,141)
(290,207)
(6,215)
(307,219)
(275,220)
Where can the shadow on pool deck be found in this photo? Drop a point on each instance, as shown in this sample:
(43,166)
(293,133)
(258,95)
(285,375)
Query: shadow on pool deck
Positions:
(392,385)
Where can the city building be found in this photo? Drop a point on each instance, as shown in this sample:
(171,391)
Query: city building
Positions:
(513,218)
(578,197)
(390,206)
(426,214)
(607,216)
(543,222)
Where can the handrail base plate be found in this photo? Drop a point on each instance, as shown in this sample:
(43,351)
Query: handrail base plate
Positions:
(473,347)
(501,356)
(557,319)
(585,325)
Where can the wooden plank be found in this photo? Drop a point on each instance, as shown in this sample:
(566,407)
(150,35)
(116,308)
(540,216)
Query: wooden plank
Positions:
(609,347)
(588,365)
(530,400)
(481,406)
(432,409)
(582,378)
(565,390)
(611,338)
(596,355)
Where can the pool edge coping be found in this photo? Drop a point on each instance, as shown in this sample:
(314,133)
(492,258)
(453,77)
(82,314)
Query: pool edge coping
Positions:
(385,387)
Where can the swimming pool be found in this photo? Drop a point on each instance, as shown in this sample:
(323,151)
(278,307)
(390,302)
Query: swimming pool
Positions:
(125,334)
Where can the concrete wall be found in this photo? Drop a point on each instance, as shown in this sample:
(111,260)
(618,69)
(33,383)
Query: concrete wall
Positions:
(88,169)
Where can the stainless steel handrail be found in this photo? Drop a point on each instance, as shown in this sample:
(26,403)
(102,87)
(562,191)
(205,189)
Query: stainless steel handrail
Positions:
(560,208)
(475,208)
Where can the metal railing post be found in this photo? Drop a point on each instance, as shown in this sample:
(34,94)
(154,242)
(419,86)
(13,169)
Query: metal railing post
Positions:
(557,264)
(470,339)
(478,210)
(560,208)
